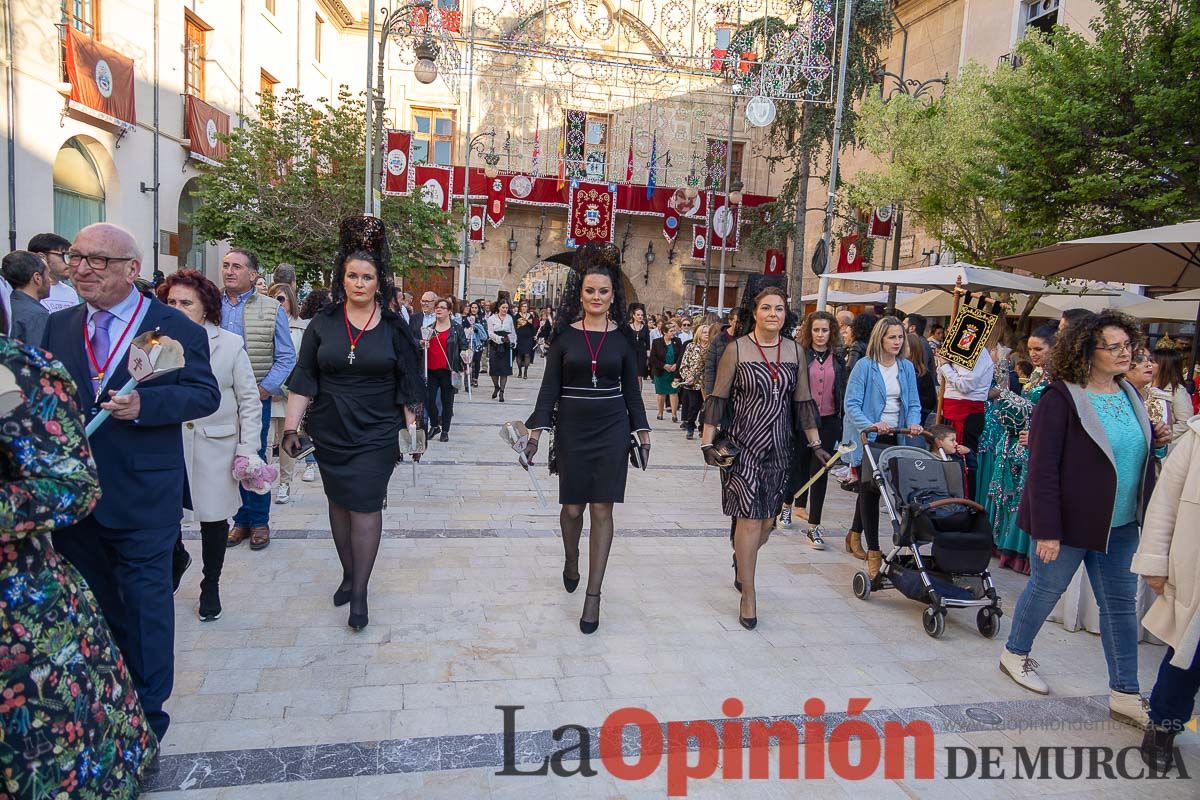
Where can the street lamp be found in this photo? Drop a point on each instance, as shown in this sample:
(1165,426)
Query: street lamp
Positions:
(735,193)
(426,69)
(649,260)
(512,247)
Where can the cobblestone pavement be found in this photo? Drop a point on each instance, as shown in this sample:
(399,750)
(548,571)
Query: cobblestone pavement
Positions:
(279,699)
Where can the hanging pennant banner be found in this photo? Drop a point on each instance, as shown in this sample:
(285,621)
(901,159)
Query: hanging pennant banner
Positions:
(773,264)
(880,226)
(670,224)
(850,254)
(397,163)
(497,191)
(591,213)
(726,223)
(476,229)
(436,183)
(204,123)
(968,335)
(101,78)
(699,241)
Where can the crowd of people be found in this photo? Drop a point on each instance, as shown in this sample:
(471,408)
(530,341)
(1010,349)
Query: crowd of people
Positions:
(1080,443)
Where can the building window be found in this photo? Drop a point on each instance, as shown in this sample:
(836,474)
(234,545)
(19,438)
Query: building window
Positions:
(433,136)
(83,16)
(266,83)
(318,32)
(78,190)
(194,33)
(1040,15)
(714,163)
(269,5)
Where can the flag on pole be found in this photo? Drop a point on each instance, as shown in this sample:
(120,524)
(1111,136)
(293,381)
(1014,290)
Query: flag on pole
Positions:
(651,178)
(629,160)
(537,153)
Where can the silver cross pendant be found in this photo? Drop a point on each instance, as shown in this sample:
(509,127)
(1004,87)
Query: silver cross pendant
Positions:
(350,358)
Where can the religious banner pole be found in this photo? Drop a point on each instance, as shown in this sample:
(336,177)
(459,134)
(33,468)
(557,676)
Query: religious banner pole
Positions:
(958,293)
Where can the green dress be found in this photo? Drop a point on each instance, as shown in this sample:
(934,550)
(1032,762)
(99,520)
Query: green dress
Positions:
(663,383)
(71,725)
(1013,413)
(990,438)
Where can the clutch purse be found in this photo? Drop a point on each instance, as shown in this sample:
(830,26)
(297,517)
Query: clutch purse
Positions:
(726,451)
(412,441)
(637,457)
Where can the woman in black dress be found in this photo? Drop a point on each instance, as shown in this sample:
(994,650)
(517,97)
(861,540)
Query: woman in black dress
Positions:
(638,334)
(590,399)
(502,337)
(359,367)
(526,324)
(761,402)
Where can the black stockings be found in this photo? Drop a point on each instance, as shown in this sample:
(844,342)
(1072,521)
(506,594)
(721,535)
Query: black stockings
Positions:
(599,544)
(356,536)
(748,536)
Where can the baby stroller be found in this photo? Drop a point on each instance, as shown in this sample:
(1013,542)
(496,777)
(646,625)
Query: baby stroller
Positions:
(938,534)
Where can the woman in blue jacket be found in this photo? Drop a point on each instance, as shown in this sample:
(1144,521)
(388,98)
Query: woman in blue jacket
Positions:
(881,396)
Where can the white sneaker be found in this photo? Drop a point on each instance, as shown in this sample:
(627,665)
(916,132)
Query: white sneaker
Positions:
(785,517)
(310,473)
(1023,670)
(816,537)
(1131,708)
(283,495)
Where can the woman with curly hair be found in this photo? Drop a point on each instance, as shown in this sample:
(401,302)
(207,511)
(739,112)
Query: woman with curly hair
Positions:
(360,369)
(589,397)
(68,699)
(210,444)
(1091,472)
(760,403)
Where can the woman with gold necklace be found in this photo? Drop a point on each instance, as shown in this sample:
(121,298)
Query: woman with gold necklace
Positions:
(759,403)
(359,369)
(589,397)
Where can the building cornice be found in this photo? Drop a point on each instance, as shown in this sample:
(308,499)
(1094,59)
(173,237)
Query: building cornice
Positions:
(337,11)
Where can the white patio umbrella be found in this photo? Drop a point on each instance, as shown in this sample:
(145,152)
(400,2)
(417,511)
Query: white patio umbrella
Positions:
(939,303)
(1191,294)
(1095,302)
(973,279)
(1159,310)
(838,298)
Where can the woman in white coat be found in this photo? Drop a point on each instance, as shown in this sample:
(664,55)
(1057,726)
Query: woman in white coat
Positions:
(212,443)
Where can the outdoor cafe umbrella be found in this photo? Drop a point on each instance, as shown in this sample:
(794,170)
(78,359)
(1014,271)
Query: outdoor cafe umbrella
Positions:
(970,278)
(1159,310)
(938,303)
(1166,257)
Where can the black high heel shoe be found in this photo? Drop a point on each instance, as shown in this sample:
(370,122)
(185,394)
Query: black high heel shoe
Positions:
(495,392)
(569,583)
(749,623)
(590,627)
(341,597)
(358,621)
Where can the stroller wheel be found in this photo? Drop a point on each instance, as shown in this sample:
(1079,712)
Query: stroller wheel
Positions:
(988,622)
(934,621)
(862,585)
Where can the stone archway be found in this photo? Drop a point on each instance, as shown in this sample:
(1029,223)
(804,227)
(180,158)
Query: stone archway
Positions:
(554,277)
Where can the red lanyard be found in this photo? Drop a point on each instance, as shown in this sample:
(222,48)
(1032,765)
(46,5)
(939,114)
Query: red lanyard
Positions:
(354,339)
(774,368)
(112,351)
(594,353)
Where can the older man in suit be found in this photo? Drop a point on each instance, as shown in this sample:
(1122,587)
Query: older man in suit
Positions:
(123,548)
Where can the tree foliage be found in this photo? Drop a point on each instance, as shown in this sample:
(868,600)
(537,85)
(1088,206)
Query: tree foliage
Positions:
(1101,136)
(937,159)
(293,174)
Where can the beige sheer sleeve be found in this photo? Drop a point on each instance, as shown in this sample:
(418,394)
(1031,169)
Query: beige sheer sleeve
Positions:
(805,416)
(718,399)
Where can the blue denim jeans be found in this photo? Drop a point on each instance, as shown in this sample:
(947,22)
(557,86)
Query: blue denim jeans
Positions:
(1115,588)
(256,508)
(1174,695)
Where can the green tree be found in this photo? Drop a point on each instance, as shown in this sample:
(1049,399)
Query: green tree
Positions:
(802,135)
(1100,136)
(937,158)
(293,174)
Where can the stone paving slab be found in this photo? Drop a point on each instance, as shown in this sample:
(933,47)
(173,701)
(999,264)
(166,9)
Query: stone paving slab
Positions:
(280,699)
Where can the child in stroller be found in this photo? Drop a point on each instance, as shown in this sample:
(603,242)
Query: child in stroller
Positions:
(938,535)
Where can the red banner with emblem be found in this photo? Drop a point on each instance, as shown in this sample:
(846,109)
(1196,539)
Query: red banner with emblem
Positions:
(497,193)
(591,212)
(436,183)
(204,124)
(101,78)
(726,223)
(670,224)
(397,163)
(773,263)
(476,229)
(699,241)
(882,219)
(850,255)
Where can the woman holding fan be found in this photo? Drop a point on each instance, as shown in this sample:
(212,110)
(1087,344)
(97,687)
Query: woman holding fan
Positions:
(589,397)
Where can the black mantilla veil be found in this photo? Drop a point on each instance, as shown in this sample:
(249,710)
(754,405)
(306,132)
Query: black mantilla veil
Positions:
(594,258)
(756,285)
(364,238)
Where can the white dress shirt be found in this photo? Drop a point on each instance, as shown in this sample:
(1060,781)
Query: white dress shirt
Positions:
(969,384)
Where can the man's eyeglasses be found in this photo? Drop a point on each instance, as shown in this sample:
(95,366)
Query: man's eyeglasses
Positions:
(1116,349)
(96,262)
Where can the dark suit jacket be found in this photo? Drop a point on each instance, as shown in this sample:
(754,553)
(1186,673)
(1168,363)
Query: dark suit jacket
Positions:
(28,318)
(658,356)
(142,476)
(415,324)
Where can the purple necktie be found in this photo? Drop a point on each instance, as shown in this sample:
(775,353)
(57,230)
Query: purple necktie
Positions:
(100,345)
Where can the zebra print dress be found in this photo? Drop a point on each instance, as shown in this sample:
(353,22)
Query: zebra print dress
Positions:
(762,422)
